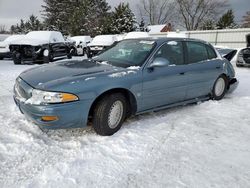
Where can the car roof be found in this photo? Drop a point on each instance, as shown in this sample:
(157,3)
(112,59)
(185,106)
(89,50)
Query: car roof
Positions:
(165,39)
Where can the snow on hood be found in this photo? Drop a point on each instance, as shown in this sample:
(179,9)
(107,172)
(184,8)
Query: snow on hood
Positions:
(10,39)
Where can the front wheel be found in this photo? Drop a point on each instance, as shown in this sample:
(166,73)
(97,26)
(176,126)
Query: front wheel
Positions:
(109,114)
(16,58)
(220,87)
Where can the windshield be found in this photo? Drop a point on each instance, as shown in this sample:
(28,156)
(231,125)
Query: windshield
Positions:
(127,53)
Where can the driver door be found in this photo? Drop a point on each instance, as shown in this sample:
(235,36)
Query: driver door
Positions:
(165,85)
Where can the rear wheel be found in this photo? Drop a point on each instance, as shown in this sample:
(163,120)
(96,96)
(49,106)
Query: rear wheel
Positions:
(220,87)
(109,114)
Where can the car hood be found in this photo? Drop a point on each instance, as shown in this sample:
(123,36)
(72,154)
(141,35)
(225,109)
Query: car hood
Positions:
(43,76)
(29,41)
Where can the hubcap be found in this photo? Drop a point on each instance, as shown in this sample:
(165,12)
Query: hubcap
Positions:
(115,114)
(219,87)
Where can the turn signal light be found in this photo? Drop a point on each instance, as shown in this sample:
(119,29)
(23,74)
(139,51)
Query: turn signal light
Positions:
(49,118)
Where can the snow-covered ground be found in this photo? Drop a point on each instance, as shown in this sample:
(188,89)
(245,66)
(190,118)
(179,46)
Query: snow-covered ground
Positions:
(204,145)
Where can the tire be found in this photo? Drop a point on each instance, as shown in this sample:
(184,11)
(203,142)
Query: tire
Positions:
(1,58)
(106,121)
(220,88)
(16,58)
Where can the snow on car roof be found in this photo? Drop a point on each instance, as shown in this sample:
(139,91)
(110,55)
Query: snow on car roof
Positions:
(49,36)
(80,38)
(103,40)
(135,35)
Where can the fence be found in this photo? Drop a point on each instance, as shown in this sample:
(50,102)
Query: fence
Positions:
(232,38)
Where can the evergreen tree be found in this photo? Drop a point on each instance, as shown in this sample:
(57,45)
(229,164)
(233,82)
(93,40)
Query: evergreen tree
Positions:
(75,17)
(123,19)
(57,14)
(97,17)
(32,24)
(246,20)
(208,25)
(227,21)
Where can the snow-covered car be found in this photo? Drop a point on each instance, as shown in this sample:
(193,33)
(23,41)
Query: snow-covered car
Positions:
(136,35)
(100,43)
(81,44)
(153,74)
(40,46)
(4,46)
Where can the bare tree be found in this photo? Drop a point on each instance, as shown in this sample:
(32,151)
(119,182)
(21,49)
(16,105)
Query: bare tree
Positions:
(2,29)
(193,13)
(246,20)
(157,11)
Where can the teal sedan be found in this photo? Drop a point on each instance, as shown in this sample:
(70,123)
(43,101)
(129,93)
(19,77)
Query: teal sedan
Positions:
(132,77)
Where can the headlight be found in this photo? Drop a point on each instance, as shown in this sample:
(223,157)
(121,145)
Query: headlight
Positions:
(45,97)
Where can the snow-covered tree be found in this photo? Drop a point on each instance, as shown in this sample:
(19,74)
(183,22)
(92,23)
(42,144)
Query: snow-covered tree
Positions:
(57,14)
(227,21)
(76,16)
(123,19)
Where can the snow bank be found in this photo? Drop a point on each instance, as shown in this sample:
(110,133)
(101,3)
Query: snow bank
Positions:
(204,145)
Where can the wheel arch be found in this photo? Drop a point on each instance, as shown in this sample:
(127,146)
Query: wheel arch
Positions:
(132,102)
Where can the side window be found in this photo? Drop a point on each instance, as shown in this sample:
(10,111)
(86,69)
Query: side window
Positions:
(172,51)
(196,52)
(211,52)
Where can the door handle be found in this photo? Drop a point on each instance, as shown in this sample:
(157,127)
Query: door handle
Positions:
(182,73)
(218,67)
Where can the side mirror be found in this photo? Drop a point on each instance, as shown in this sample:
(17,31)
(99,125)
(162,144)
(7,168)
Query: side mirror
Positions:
(159,62)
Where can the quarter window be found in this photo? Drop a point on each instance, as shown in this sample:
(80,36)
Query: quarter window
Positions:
(211,53)
(172,51)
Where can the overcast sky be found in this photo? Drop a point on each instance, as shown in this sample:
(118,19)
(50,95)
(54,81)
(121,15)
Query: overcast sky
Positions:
(11,11)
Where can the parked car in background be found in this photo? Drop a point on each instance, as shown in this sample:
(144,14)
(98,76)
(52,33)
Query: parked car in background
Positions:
(243,57)
(81,44)
(40,46)
(151,75)
(240,57)
(100,43)
(4,46)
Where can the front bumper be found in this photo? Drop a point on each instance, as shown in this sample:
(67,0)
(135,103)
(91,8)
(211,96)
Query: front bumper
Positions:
(233,84)
(70,115)
(243,63)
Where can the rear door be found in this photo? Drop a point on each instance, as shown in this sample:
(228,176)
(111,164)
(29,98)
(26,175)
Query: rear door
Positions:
(203,69)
